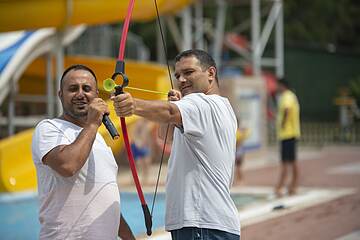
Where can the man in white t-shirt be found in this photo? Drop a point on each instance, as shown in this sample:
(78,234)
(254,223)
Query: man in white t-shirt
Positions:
(200,169)
(76,170)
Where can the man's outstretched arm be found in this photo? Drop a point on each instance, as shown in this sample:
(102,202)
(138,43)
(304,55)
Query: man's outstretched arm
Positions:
(157,110)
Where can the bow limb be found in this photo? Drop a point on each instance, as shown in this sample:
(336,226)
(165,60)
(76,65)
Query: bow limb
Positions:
(120,69)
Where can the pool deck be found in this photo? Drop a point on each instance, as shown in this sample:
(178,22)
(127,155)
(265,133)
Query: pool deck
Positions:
(327,206)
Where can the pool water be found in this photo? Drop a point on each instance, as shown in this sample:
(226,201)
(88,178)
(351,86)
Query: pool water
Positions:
(132,211)
(19,213)
(19,218)
(243,200)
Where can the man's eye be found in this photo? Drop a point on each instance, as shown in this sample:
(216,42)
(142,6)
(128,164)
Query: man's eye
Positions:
(73,89)
(188,72)
(87,88)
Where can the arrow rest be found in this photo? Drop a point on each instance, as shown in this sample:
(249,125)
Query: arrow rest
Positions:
(119,88)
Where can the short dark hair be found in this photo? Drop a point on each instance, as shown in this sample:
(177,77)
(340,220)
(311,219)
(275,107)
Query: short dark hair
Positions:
(284,82)
(204,58)
(76,67)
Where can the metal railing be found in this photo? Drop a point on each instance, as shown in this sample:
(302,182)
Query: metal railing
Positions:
(322,133)
(103,41)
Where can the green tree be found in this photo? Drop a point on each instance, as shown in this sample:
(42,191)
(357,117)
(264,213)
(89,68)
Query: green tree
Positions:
(323,22)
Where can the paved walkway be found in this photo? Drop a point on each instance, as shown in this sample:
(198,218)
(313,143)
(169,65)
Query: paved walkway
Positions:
(334,167)
(330,167)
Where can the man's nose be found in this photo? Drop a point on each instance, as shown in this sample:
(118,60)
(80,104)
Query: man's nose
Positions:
(182,79)
(80,93)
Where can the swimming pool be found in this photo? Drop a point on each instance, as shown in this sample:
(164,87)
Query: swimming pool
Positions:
(19,213)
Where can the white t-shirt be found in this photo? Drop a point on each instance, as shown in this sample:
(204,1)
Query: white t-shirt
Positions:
(201,165)
(84,206)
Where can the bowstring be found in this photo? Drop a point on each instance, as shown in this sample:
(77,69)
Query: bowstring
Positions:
(172,86)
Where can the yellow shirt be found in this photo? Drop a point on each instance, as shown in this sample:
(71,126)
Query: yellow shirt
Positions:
(291,128)
(242,134)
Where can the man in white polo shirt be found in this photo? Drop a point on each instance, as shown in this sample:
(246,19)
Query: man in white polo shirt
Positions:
(76,171)
(200,169)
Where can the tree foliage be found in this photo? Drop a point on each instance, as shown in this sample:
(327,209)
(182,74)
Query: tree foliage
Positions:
(323,22)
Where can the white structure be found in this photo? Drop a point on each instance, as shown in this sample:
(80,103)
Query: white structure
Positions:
(29,47)
(193,28)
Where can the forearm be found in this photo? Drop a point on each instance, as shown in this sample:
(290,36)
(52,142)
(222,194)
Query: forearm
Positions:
(125,232)
(69,159)
(284,119)
(78,152)
(158,111)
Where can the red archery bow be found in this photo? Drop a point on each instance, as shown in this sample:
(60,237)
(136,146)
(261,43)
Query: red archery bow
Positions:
(120,70)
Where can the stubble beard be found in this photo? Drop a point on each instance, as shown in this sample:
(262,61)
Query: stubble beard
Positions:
(79,116)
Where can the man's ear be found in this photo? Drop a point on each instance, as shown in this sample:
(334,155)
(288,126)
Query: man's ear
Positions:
(60,95)
(211,73)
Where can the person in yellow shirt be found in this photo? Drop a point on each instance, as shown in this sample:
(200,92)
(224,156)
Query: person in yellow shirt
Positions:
(241,134)
(288,131)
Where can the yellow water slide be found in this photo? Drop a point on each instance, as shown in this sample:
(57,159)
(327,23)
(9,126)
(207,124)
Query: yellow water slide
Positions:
(34,14)
(17,172)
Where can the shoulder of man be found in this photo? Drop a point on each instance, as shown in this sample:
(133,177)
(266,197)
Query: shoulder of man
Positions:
(44,122)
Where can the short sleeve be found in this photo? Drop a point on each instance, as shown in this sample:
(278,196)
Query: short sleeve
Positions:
(193,110)
(288,101)
(46,137)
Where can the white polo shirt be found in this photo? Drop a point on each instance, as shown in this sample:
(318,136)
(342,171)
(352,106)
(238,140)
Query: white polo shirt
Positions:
(201,165)
(84,206)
